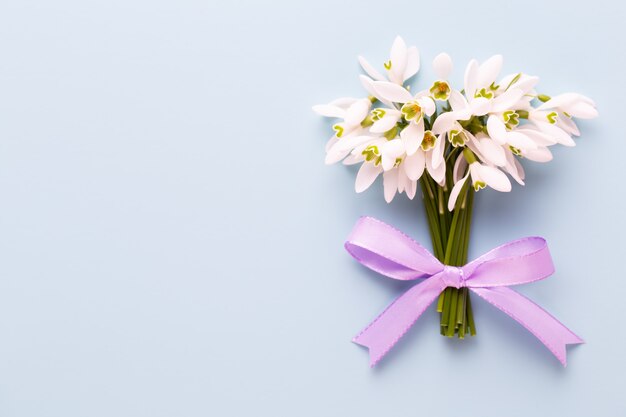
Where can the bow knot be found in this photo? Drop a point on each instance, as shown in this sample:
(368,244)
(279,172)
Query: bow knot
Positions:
(390,252)
(453,276)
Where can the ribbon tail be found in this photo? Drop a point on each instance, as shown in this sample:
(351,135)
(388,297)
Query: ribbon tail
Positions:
(551,332)
(385,331)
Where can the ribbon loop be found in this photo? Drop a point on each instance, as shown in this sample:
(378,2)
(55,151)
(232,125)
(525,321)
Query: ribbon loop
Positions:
(390,252)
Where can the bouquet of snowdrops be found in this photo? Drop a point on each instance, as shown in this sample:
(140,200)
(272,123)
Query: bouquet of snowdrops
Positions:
(452,142)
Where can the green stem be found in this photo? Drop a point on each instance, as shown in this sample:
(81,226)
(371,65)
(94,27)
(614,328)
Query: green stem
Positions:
(433,223)
(450,232)
(454,297)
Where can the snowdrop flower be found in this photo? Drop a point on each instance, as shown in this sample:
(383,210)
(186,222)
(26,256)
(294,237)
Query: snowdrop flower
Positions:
(353,112)
(440,90)
(383,157)
(572,104)
(554,116)
(481,176)
(429,156)
(487,127)
(403,63)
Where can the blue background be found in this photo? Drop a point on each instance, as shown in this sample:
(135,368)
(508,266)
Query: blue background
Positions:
(171,240)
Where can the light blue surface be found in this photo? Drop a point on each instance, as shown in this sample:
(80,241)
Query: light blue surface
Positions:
(171,240)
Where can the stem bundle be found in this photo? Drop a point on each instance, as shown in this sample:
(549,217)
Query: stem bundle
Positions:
(450,232)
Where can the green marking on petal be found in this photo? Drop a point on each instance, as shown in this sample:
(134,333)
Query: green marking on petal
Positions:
(338,130)
(391,133)
(479,185)
(397,163)
(387,65)
(484,93)
(494,86)
(511,119)
(516,151)
(412,111)
(523,114)
(378,114)
(440,90)
(428,142)
(371,153)
(552,116)
(567,114)
(457,138)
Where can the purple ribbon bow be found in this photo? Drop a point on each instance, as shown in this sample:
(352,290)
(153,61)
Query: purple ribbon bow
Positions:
(390,252)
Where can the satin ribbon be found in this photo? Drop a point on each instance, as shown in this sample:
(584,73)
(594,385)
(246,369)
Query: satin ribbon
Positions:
(390,252)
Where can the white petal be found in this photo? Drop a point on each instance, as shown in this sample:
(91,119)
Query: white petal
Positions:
(331,142)
(370,70)
(410,188)
(368,84)
(336,155)
(492,151)
(540,138)
(352,159)
(538,155)
(352,142)
(366,176)
(520,171)
(437,152)
(357,112)
(398,60)
(457,101)
(442,65)
(480,106)
(489,70)
(575,104)
(460,166)
(525,83)
(559,101)
(390,151)
(471,78)
(472,145)
(506,100)
(454,193)
(412,62)
(439,173)
(344,146)
(402,180)
(520,141)
(582,110)
(328,110)
(568,125)
(343,102)
(559,135)
(514,168)
(447,121)
(428,105)
(414,165)
(392,92)
(412,136)
(358,150)
(388,121)
(496,129)
(390,183)
(494,178)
